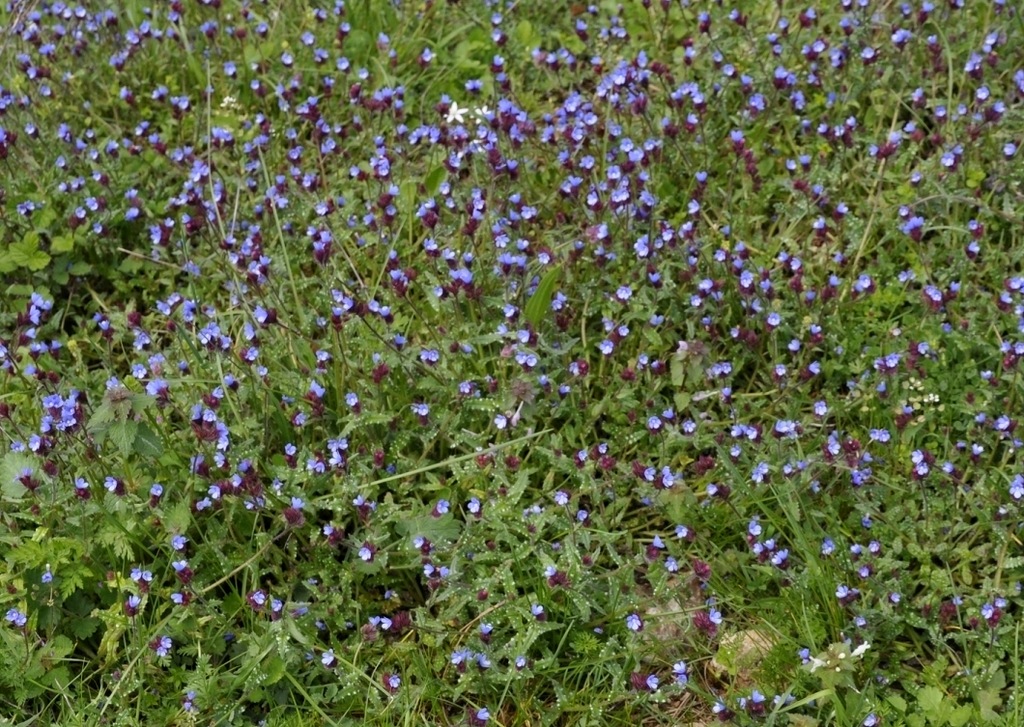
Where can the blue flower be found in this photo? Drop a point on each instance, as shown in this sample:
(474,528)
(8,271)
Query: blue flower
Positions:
(679,671)
(16,618)
(161,645)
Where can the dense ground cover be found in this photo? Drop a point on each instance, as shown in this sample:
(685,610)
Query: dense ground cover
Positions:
(511,363)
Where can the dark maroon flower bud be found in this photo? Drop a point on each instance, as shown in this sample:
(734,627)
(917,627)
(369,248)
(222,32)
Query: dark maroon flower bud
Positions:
(380,372)
(702,622)
(294,517)
(185,575)
(701,570)
(400,621)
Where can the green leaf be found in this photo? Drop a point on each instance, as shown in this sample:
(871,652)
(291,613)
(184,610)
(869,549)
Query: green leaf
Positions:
(677,371)
(407,195)
(10,470)
(147,442)
(898,702)
(433,180)
(178,517)
(59,647)
(83,628)
(118,541)
(122,434)
(975,176)
(293,629)
(6,263)
(930,699)
(62,243)
(101,418)
(58,679)
(44,218)
(540,301)
(960,716)
(141,402)
(72,578)
(988,700)
(437,530)
(20,291)
(26,254)
(526,34)
(274,668)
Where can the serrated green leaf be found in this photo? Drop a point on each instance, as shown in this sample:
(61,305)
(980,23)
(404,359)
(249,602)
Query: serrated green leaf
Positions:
(141,402)
(147,442)
(20,290)
(13,465)
(83,628)
(960,716)
(101,418)
(123,434)
(6,263)
(45,217)
(26,254)
(117,540)
(930,699)
(898,702)
(72,579)
(178,517)
(293,629)
(59,647)
(62,244)
(438,530)
(988,701)
(526,34)
(274,668)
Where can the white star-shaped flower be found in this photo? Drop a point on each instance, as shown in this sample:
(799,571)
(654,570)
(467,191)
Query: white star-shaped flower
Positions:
(455,114)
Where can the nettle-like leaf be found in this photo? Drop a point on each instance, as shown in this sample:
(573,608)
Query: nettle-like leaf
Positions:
(122,433)
(147,443)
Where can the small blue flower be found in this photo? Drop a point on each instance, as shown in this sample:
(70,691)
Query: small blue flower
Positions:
(679,671)
(16,618)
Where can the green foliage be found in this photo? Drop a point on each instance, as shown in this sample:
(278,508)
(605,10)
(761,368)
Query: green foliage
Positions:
(545,373)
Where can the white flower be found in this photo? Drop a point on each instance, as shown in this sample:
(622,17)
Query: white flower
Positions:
(482,113)
(859,651)
(455,114)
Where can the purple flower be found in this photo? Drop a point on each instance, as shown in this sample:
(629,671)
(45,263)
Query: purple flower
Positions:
(161,645)
(679,671)
(634,622)
(16,618)
(131,605)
